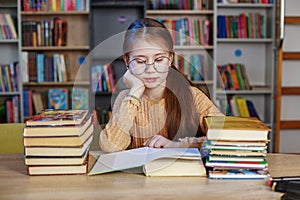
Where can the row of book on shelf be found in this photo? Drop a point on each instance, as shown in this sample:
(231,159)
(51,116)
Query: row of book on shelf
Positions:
(58,142)
(247,1)
(103,78)
(55,5)
(245,25)
(47,32)
(193,66)
(233,76)
(238,106)
(189,31)
(54,98)
(236,148)
(10,109)
(8,26)
(9,78)
(39,67)
(180,5)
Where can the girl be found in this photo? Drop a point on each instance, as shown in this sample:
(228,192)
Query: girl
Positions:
(160,108)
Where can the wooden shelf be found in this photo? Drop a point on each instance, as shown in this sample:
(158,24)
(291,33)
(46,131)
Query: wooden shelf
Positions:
(28,13)
(9,41)
(57,48)
(244,5)
(180,12)
(56,84)
(245,92)
(245,40)
(9,93)
(194,47)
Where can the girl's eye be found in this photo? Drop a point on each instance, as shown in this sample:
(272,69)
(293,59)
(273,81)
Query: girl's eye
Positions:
(140,61)
(159,59)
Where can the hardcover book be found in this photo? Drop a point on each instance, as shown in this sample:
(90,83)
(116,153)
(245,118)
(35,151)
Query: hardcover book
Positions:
(57,169)
(57,160)
(58,118)
(63,141)
(153,162)
(236,165)
(238,174)
(61,151)
(236,128)
(57,130)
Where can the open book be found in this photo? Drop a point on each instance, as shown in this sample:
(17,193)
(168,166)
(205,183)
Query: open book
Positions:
(153,161)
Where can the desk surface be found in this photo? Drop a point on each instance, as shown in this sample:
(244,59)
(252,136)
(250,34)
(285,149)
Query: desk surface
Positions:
(15,184)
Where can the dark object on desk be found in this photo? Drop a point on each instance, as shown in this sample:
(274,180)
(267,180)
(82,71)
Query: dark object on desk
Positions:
(287,186)
(290,196)
(283,178)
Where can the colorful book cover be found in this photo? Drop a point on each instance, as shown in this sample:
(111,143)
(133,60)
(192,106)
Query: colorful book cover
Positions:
(242,107)
(79,98)
(58,98)
(238,174)
(58,117)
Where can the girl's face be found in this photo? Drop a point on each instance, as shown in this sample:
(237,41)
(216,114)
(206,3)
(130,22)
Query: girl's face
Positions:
(157,60)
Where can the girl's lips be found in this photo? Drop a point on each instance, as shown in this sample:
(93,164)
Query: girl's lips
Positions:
(150,80)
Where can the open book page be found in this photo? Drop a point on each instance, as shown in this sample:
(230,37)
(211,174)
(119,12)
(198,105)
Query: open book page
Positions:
(138,157)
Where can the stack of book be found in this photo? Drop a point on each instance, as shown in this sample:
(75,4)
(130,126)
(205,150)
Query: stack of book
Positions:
(58,142)
(236,148)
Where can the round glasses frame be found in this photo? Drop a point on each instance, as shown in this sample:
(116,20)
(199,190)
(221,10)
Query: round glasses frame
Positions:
(146,65)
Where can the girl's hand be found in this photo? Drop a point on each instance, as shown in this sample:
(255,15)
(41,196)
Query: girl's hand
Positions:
(158,141)
(135,85)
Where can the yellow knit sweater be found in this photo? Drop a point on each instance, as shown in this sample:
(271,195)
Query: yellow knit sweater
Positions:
(134,122)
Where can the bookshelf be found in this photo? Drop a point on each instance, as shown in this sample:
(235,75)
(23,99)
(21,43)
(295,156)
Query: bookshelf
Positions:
(256,50)
(56,33)
(106,48)
(11,106)
(196,50)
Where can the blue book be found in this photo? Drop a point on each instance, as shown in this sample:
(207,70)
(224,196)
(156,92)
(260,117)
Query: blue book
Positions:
(58,98)
(26,103)
(5,79)
(40,68)
(221,26)
(79,98)
(251,108)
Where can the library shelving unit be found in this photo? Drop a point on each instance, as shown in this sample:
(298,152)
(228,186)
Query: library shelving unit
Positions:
(108,22)
(257,53)
(74,50)
(187,20)
(11,106)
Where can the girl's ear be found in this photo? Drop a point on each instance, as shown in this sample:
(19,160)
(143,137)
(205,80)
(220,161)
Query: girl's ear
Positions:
(125,59)
(172,56)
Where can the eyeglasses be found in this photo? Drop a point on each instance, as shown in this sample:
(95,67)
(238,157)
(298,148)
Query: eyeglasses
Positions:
(138,66)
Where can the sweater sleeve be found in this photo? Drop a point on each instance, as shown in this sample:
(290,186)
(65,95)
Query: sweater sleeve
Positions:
(116,135)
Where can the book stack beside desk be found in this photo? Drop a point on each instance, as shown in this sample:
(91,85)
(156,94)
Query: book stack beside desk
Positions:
(237,148)
(58,142)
